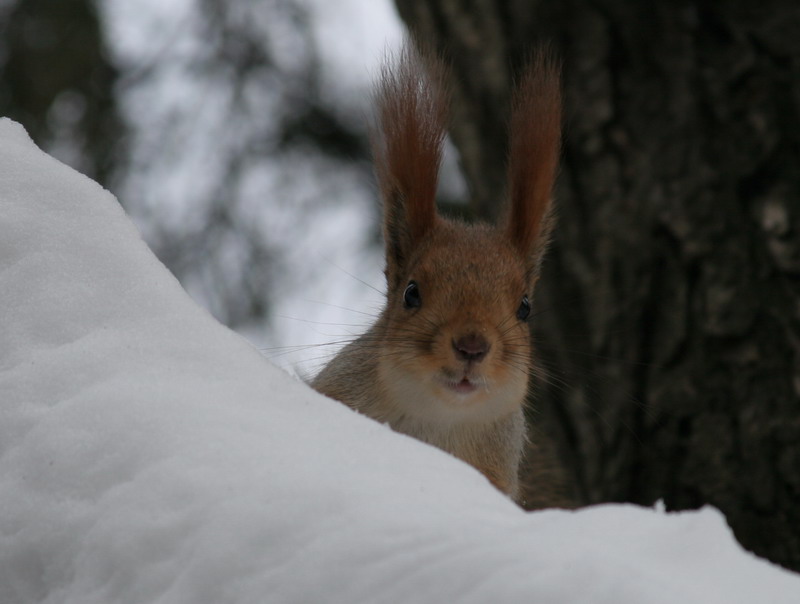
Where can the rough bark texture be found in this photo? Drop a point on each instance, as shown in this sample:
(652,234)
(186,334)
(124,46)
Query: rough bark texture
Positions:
(669,311)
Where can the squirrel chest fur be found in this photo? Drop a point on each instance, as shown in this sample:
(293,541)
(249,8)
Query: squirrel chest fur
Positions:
(449,358)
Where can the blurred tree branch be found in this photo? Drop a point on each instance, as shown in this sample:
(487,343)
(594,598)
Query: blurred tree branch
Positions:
(58,82)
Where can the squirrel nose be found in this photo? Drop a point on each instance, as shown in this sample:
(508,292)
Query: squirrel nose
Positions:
(471,347)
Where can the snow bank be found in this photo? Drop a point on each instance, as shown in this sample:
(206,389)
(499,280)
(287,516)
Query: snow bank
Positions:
(148,454)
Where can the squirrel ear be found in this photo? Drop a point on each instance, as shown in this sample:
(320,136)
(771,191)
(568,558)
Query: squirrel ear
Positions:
(412,104)
(534,147)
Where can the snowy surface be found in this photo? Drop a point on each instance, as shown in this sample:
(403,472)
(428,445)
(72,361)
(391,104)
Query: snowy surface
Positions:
(148,454)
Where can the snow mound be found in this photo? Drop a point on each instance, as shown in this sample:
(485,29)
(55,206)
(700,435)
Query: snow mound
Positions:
(148,454)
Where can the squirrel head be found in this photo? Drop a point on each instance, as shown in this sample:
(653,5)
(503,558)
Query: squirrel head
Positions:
(456,345)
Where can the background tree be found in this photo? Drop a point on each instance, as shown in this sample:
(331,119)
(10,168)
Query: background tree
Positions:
(669,326)
(58,82)
(228,154)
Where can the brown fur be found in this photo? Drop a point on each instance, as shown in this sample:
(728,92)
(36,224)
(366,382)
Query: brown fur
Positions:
(411,99)
(453,371)
(534,147)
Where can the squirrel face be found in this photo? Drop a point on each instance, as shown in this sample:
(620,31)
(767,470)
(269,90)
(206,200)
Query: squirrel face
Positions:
(449,358)
(456,346)
(454,342)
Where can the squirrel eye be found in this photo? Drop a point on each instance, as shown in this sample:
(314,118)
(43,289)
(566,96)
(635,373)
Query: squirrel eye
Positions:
(411,297)
(524,309)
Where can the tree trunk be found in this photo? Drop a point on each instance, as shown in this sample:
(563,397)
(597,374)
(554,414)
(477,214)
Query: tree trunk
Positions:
(57,81)
(669,311)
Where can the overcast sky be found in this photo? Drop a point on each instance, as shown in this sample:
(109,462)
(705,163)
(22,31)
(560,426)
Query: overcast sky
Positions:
(329,279)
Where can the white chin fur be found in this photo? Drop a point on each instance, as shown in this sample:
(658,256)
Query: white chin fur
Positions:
(433,398)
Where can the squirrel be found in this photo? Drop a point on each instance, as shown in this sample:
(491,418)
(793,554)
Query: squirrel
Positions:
(448,360)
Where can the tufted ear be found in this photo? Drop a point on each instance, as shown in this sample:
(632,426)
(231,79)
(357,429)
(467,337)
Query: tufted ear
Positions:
(412,103)
(534,147)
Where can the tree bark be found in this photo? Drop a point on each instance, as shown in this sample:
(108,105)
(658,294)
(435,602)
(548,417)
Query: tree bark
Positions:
(669,310)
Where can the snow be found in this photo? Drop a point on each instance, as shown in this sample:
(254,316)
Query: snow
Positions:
(148,454)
